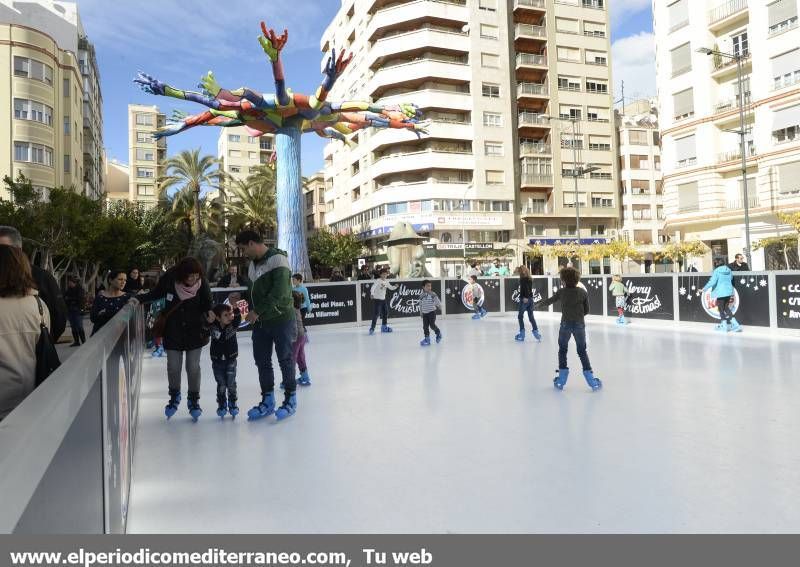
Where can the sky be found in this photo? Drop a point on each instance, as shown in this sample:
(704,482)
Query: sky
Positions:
(177,42)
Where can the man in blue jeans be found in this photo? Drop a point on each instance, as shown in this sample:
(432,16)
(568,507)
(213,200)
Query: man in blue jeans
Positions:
(272,316)
(574,307)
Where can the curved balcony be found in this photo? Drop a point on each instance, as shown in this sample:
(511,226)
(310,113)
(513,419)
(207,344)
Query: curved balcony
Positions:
(437,130)
(417,72)
(431,98)
(426,159)
(397,16)
(429,37)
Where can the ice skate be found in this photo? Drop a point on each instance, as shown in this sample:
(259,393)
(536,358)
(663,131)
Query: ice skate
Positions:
(561,378)
(371,332)
(233,409)
(537,335)
(425,342)
(520,337)
(594,383)
(476,316)
(172,405)
(735,326)
(438,338)
(222,407)
(288,407)
(193,404)
(723,327)
(304,379)
(386,329)
(483,313)
(263,409)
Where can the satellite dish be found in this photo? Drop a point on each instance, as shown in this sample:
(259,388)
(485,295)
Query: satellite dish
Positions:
(465,29)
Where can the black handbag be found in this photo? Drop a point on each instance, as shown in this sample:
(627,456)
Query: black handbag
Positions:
(46,354)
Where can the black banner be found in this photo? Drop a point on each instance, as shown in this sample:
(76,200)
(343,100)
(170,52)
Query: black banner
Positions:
(750,303)
(649,297)
(540,291)
(332,303)
(788,305)
(458,295)
(403,302)
(593,287)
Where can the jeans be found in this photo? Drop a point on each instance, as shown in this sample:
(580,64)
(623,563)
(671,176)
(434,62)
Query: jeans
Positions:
(279,334)
(522,308)
(428,323)
(225,375)
(76,325)
(380,307)
(299,353)
(572,329)
(174,364)
(724,306)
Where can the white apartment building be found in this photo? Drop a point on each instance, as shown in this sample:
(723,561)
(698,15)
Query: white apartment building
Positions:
(699,114)
(146,156)
(493,76)
(314,193)
(641,181)
(239,153)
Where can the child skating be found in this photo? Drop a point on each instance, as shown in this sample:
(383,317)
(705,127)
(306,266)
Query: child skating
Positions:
(721,286)
(617,289)
(477,298)
(429,302)
(574,307)
(299,346)
(224,353)
(526,305)
(379,305)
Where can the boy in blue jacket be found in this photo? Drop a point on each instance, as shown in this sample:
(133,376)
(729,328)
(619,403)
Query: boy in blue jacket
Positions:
(721,286)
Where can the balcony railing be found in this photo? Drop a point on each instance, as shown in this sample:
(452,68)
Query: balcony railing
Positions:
(725,62)
(726,10)
(738,204)
(532,148)
(735,155)
(730,104)
(531,59)
(690,208)
(529,3)
(689,162)
(529,30)
(530,118)
(537,208)
(536,89)
(536,179)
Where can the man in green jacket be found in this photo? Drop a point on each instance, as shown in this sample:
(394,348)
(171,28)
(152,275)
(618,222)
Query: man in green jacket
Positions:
(272,316)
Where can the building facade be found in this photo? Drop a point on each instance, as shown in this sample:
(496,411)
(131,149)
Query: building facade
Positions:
(43,90)
(93,149)
(240,153)
(641,181)
(314,192)
(146,156)
(699,99)
(493,77)
(118,182)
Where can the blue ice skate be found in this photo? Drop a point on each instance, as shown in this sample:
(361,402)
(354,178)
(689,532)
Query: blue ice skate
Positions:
(386,329)
(438,338)
(561,378)
(222,410)
(172,405)
(476,316)
(425,342)
(194,406)
(483,313)
(520,337)
(288,407)
(304,379)
(263,409)
(233,409)
(537,335)
(158,352)
(723,326)
(594,383)
(735,326)
(371,332)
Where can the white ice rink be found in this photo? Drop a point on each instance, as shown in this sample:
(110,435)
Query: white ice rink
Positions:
(693,432)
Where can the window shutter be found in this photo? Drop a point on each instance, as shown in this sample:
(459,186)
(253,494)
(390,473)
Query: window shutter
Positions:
(685,148)
(678,13)
(781,11)
(789,177)
(681,59)
(684,102)
(785,118)
(786,63)
(688,197)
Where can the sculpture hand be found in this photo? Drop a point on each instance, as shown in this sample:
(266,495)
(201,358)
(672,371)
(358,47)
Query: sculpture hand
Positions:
(421,128)
(271,43)
(177,116)
(334,67)
(149,84)
(209,84)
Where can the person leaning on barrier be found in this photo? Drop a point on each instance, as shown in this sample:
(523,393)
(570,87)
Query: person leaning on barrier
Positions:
(20,327)
(233,278)
(738,264)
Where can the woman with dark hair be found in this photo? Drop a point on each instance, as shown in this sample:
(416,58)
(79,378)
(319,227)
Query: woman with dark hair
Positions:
(20,327)
(134,283)
(186,317)
(75,298)
(109,301)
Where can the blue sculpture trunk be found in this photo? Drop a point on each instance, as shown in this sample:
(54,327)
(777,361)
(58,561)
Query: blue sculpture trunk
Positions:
(291,221)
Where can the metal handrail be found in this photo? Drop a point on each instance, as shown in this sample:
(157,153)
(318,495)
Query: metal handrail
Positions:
(725,10)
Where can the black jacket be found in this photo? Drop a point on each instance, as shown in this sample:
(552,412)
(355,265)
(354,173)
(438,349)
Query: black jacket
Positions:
(187,327)
(224,345)
(225,281)
(525,288)
(75,298)
(51,295)
(743,268)
(574,303)
(133,286)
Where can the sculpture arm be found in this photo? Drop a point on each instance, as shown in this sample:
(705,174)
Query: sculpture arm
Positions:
(272,44)
(333,70)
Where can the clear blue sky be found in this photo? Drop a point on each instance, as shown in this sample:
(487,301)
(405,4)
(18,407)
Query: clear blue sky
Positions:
(178,42)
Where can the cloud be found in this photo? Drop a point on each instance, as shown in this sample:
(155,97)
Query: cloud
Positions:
(634,61)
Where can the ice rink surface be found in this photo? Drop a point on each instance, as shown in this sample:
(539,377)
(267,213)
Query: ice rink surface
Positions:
(693,432)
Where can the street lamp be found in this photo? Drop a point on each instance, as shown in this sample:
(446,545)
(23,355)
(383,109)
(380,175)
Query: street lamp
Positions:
(739,58)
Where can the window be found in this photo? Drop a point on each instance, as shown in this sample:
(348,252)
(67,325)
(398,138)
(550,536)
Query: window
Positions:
(786,69)
(265,144)
(782,15)
(594,114)
(251,140)
(234,138)
(144,172)
(31,110)
(488,5)
(566,25)
(495,177)
(637,137)
(569,112)
(235,169)
(143,119)
(33,69)
(66,87)
(600,143)
(681,59)
(685,151)
(234,153)
(143,137)
(67,162)
(786,125)
(67,125)
(489,32)
(493,148)
(491,90)
(596,86)
(534,230)
(688,197)
(656,138)
(594,29)
(145,155)
(146,190)
(492,119)
(740,44)
(678,14)
(598,230)
(570,141)
(21,66)
(252,155)
(569,54)
(789,178)
(490,60)
(683,104)
(602,200)
(640,187)
(568,229)
(596,57)
(569,83)
(356,194)
(33,153)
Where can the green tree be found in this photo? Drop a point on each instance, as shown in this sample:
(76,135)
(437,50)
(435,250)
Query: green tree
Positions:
(190,174)
(334,250)
(679,252)
(250,204)
(622,250)
(784,243)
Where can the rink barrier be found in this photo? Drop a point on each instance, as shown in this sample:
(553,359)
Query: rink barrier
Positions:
(66,451)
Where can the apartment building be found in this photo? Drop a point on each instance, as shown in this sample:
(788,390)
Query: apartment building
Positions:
(93,149)
(146,156)
(641,181)
(699,98)
(118,183)
(44,138)
(494,77)
(240,153)
(314,191)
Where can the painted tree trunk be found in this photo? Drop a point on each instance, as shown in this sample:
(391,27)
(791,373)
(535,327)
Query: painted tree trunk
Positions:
(291,219)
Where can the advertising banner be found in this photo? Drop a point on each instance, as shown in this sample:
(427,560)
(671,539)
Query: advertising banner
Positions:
(788,304)
(540,291)
(117,436)
(458,295)
(235,297)
(403,302)
(649,297)
(750,303)
(593,287)
(332,303)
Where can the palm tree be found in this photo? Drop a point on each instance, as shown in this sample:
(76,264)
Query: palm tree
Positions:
(190,173)
(251,203)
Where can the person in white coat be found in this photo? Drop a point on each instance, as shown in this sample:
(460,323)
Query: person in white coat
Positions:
(380,307)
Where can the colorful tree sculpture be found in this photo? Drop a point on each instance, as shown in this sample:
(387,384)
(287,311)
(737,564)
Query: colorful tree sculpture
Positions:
(287,115)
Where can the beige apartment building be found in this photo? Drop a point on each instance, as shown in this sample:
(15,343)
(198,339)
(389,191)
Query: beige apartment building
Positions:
(240,153)
(314,192)
(43,89)
(641,181)
(503,83)
(93,150)
(699,100)
(146,156)
(118,182)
